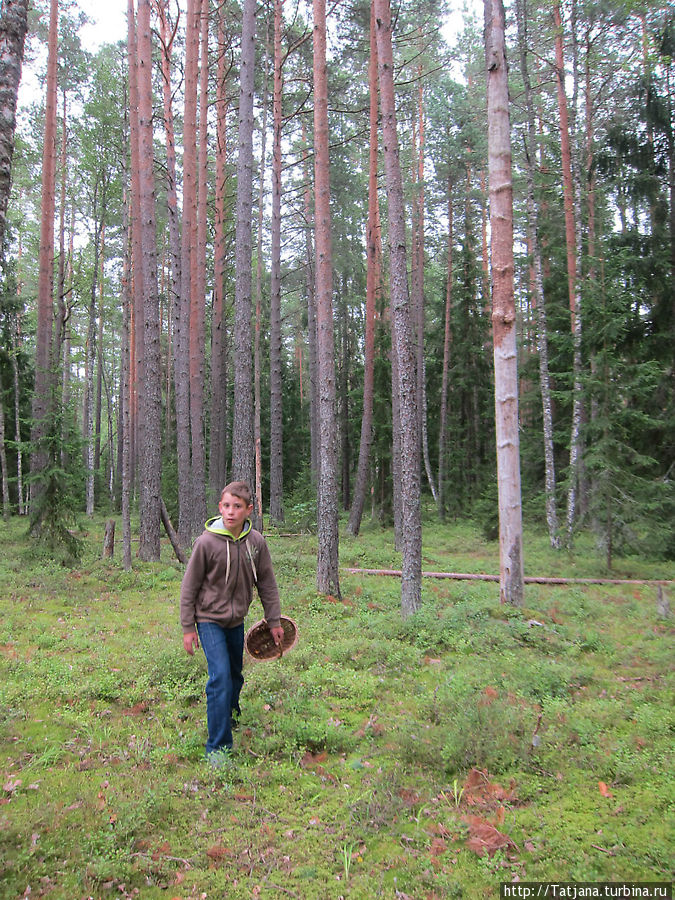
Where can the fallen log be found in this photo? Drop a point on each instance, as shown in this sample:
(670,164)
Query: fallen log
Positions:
(532,579)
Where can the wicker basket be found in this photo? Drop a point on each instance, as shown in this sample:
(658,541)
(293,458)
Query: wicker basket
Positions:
(260,644)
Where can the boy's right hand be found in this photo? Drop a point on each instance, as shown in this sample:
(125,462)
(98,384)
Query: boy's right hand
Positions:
(191,642)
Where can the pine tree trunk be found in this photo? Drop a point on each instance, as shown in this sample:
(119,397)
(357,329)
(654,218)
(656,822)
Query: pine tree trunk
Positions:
(61,313)
(219,371)
(257,363)
(136,250)
(243,445)
(99,362)
(43,389)
(167,37)
(311,318)
(418,285)
(503,309)
(396,445)
(373,277)
(345,353)
(13,28)
(591,237)
(124,424)
(405,384)
(276,410)
(149,399)
(327,562)
(61,351)
(181,330)
(198,298)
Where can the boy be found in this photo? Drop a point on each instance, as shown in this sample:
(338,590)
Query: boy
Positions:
(227,559)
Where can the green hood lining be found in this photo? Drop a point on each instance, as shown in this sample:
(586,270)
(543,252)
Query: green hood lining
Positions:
(215,526)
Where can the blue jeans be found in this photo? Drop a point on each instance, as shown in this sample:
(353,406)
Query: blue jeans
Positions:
(224,651)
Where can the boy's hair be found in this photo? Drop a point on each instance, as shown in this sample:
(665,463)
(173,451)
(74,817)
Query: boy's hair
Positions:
(238,489)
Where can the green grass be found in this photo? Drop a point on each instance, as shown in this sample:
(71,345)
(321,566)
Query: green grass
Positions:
(352,771)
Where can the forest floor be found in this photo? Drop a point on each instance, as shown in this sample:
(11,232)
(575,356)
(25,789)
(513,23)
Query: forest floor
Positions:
(470,745)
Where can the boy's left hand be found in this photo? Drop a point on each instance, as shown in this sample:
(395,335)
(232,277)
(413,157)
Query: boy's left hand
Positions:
(278,635)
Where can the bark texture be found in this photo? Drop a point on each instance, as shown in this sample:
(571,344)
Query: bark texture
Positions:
(311,315)
(219,368)
(327,562)
(373,279)
(198,295)
(149,403)
(503,309)
(405,383)
(243,445)
(276,417)
(182,348)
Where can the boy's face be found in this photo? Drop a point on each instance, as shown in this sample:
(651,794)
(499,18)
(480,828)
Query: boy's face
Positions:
(234,511)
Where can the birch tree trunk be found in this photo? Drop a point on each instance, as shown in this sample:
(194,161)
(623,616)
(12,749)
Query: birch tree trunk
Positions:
(503,309)
(405,386)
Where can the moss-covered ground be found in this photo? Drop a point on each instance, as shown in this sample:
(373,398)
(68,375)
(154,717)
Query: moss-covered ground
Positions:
(469,745)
